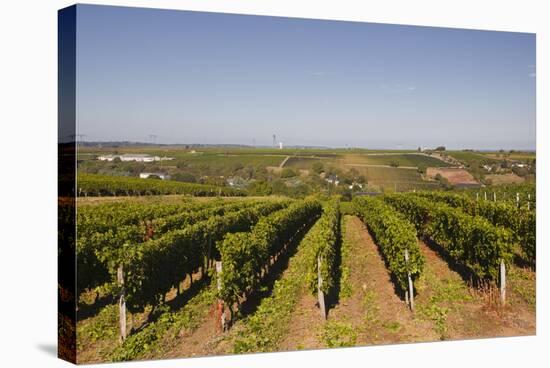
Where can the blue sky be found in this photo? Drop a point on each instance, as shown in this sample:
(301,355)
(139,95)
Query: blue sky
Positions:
(192,77)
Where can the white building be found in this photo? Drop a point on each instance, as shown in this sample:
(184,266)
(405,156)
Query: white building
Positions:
(138,157)
(146,175)
(236,182)
(332,179)
(107,157)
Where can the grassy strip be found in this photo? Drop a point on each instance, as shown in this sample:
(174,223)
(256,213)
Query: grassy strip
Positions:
(337,334)
(187,318)
(523,283)
(103,326)
(447,295)
(346,289)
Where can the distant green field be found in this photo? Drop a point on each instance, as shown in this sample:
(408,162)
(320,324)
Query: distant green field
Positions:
(390,174)
(469,157)
(396,178)
(177,151)
(223,160)
(512,156)
(413,160)
(205,163)
(347,161)
(182,151)
(305,163)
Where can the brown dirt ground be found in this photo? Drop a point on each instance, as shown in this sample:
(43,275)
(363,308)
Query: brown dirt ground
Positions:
(306,324)
(198,342)
(454,175)
(379,315)
(498,179)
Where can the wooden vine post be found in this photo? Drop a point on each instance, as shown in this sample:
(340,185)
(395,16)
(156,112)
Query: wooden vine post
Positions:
(528,201)
(517,200)
(502,282)
(320,294)
(121,303)
(220,308)
(494,196)
(209,254)
(409,295)
(485,195)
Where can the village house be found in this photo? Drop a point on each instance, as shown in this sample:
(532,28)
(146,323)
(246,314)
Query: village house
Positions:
(332,179)
(236,182)
(355,185)
(146,175)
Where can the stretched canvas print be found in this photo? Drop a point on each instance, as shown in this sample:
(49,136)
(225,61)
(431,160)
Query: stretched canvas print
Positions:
(237,184)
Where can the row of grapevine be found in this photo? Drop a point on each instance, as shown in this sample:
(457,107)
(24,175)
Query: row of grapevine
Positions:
(109,227)
(395,236)
(93,272)
(101,185)
(470,240)
(524,194)
(324,237)
(521,222)
(154,267)
(100,218)
(265,328)
(246,255)
(178,221)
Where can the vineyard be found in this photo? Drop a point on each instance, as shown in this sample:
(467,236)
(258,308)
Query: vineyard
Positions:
(519,195)
(200,277)
(101,185)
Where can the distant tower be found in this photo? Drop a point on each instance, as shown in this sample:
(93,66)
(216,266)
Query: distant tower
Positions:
(274,140)
(78,138)
(280,145)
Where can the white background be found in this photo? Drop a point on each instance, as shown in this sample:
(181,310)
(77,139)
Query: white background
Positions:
(28,138)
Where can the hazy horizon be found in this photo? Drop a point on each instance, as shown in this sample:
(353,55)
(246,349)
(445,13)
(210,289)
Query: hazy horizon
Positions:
(299,146)
(184,77)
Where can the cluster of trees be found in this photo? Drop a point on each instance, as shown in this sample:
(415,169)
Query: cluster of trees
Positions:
(115,167)
(445,183)
(292,183)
